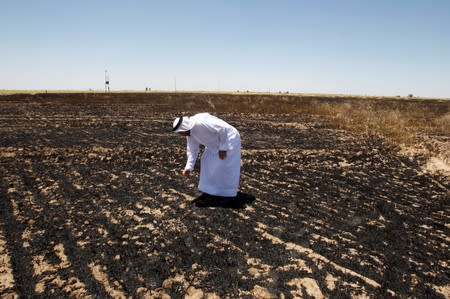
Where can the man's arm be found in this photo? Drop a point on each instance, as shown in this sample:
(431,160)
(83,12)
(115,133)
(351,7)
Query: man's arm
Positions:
(192,150)
(221,128)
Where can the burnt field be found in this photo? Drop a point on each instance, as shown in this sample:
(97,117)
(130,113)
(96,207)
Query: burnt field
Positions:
(93,205)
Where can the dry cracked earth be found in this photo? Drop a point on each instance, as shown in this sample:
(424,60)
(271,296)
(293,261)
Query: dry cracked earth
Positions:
(92,205)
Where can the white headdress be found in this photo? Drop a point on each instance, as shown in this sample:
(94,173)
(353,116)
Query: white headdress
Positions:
(182,124)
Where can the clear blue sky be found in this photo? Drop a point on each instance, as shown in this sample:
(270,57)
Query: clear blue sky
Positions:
(368,47)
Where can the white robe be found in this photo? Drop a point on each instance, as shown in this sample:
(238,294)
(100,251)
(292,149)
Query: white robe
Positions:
(217,176)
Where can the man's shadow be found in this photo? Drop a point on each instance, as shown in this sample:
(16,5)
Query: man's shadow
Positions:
(239,202)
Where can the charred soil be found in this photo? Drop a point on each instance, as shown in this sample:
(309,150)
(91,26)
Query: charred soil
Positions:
(93,204)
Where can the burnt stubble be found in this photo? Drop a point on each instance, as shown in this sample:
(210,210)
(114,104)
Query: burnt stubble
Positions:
(93,204)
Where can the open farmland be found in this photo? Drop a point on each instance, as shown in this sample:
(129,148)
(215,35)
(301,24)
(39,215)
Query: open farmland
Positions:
(92,203)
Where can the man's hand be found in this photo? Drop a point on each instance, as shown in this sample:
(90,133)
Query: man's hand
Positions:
(186,172)
(222,154)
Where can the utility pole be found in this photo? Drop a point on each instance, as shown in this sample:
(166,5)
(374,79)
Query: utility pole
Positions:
(106,81)
(175,83)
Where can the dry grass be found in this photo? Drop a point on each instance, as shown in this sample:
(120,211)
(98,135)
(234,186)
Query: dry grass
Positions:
(398,120)
(401,125)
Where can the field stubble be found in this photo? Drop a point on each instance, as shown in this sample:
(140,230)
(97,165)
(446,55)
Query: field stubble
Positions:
(93,203)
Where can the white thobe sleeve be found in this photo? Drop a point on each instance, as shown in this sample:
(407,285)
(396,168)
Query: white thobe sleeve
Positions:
(222,133)
(223,139)
(192,150)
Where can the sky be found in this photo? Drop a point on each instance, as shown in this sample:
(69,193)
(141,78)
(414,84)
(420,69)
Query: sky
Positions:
(360,47)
